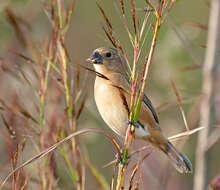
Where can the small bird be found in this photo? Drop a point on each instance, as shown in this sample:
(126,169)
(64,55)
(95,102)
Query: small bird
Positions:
(112,98)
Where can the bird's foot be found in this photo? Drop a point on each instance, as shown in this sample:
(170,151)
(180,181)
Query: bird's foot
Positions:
(123,158)
(130,122)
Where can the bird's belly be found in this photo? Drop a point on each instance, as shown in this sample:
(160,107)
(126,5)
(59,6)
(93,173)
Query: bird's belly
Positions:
(111,108)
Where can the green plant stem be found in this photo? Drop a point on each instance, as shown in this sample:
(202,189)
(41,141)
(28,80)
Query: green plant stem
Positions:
(148,65)
(65,81)
(120,176)
(73,174)
(43,86)
(123,164)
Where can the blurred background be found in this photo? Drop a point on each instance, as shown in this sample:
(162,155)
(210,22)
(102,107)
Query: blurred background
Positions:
(178,56)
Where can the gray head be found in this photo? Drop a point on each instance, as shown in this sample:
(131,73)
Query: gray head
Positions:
(107,59)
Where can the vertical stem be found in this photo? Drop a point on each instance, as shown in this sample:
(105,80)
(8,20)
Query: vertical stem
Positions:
(65,81)
(153,44)
(43,88)
(60,10)
(121,169)
(122,166)
(210,72)
(148,62)
(136,50)
(42,97)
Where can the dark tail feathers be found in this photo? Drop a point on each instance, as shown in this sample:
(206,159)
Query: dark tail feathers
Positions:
(179,160)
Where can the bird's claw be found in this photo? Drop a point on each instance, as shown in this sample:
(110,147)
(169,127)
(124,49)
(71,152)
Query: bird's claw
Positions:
(122,159)
(130,122)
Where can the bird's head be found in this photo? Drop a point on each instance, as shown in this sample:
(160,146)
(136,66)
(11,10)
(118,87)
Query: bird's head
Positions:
(107,60)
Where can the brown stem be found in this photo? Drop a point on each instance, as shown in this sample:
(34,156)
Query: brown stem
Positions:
(211,71)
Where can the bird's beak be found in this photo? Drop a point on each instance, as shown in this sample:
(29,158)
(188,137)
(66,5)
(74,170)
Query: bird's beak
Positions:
(95,58)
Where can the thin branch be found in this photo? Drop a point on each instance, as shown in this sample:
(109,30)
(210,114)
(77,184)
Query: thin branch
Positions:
(185,134)
(211,70)
(180,104)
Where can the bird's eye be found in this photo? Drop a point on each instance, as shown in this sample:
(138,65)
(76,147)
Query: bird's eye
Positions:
(108,54)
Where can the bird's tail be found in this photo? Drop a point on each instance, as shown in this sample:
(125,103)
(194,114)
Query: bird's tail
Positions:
(179,160)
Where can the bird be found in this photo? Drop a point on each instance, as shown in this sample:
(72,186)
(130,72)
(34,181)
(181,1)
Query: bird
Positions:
(112,96)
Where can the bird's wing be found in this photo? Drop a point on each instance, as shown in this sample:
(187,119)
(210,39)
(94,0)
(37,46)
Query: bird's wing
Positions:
(148,104)
(147,112)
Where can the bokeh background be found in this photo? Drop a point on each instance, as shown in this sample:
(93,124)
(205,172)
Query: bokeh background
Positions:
(179,52)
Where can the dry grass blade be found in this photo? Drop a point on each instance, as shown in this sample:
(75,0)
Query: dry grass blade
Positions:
(134,16)
(140,150)
(134,96)
(122,6)
(82,105)
(6,68)
(93,71)
(149,4)
(109,31)
(9,128)
(15,156)
(4,105)
(185,134)
(23,144)
(26,58)
(138,181)
(105,16)
(198,25)
(26,114)
(144,25)
(25,183)
(171,5)
(70,12)
(110,37)
(14,21)
(52,11)
(190,68)
(53,147)
(77,75)
(17,177)
(64,49)
(127,30)
(202,46)
(113,177)
(60,13)
(193,114)
(135,169)
(166,105)
(110,163)
(180,104)
(26,78)
(187,44)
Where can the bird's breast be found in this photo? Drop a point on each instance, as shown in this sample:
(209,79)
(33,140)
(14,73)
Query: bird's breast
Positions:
(111,106)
